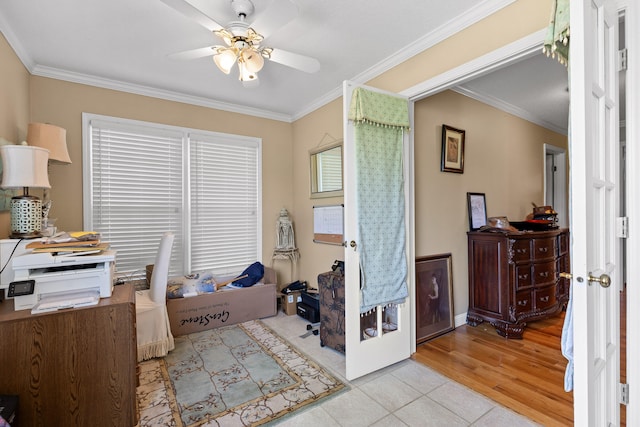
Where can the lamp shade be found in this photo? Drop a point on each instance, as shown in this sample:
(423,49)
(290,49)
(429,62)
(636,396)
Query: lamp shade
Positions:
(51,137)
(24,166)
(245,74)
(252,59)
(225,60)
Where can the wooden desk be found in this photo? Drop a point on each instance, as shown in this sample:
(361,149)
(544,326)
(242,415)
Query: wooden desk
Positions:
(73,367)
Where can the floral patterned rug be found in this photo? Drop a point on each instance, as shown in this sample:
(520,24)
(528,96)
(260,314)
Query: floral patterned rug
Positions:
(239,375)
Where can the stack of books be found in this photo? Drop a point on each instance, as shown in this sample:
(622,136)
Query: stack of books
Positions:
(71,243)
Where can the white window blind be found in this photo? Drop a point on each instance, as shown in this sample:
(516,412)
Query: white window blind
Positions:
(224,202)
(142,179)
(330,170)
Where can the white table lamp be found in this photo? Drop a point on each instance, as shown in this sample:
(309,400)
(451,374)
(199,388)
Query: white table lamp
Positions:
(25,166)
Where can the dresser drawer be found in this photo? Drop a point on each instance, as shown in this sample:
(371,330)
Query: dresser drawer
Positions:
(545,297)
(544,248)
(524,302)
(543,273)
(563,244)
(523,277)
(521,250)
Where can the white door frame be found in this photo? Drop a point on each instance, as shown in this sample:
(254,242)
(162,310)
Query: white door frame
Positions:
(559,182)
(632,44)
(528,46)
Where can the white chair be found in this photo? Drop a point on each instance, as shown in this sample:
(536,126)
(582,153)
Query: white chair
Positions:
(152,321)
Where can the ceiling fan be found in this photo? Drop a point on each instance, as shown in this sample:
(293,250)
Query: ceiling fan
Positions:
(242,41)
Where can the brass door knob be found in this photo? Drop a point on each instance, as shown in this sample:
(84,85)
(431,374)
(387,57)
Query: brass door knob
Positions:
(604,280)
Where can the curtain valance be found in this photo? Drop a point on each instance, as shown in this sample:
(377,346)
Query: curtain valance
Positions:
(556,43)
(379,109)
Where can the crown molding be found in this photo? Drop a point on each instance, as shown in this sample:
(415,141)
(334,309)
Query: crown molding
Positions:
(519,49)
(104,83)
(15,44)
(441,33)
(508,108)
(446,30)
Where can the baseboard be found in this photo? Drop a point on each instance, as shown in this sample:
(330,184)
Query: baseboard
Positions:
(460,319)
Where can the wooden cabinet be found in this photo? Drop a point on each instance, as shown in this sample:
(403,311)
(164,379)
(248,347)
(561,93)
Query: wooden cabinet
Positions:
(73,367)
(514,278)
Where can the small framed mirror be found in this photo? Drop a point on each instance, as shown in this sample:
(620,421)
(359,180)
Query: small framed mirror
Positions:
(326,171)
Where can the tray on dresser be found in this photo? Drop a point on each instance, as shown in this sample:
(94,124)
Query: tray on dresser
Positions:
(534,225)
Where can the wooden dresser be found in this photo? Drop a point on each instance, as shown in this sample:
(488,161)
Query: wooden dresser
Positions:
(74,367)
(514,278)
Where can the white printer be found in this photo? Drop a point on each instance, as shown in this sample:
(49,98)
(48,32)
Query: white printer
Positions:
(61,278)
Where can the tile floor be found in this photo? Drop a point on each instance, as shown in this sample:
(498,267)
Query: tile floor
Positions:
(405,394)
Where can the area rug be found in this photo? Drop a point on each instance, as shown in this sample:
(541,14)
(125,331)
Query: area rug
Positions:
(239,375)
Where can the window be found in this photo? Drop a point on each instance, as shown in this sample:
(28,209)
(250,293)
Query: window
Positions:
(142,179)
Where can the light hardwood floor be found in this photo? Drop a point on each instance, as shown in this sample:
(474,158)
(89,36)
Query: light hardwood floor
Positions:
(525,375)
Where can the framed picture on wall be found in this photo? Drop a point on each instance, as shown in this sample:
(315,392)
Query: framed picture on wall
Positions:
(452,150)
(477,207)
(434,294)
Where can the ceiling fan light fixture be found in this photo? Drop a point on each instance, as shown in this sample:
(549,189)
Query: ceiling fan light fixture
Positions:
(266,52)
(252,59)
(242,42)
(246,75)
(224,59)
(225,35)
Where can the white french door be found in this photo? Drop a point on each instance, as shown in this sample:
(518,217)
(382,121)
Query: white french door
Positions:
(369,345)
(595,249)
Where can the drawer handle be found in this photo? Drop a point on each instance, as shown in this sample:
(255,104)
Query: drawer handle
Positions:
(523,302)
(523,276)
(521,251)
(545,299)
(544,274)
(543,250)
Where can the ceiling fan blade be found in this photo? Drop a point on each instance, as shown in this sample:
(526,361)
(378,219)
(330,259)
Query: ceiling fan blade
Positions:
(294,60)
(194,53)
(193,13)
(276,15)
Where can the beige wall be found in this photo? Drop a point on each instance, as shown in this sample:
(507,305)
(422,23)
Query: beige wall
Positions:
(14,106)
(501,162)
(440,226)
(314,130)
(62,103)
(503,158)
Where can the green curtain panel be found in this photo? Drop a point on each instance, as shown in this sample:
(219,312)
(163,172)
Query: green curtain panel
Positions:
(556,42)
(380,121)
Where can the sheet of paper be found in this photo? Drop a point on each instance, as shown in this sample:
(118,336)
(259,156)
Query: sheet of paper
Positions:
(328,219)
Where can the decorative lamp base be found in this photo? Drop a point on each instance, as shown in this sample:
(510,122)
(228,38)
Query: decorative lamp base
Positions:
(26,217)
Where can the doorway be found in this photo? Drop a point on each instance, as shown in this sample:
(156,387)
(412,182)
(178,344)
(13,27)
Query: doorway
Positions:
(555,182)
(552,157)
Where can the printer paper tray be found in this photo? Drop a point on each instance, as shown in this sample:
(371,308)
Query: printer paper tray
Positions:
(69,299)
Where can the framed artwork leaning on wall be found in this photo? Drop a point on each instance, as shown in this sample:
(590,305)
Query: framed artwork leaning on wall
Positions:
(434,297)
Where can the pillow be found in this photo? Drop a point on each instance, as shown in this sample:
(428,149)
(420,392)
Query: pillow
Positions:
(254,273)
